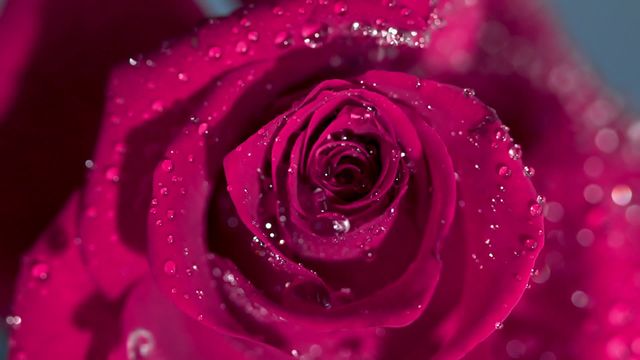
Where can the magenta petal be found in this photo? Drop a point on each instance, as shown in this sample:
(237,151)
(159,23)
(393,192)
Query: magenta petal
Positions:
(497,229)
(245,171)
(58,311)
(584,148)
(146,314)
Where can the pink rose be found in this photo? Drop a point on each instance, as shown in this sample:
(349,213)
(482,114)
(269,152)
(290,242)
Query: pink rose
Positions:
(303,179)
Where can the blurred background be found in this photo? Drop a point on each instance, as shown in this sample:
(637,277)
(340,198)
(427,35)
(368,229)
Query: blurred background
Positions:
(604,31)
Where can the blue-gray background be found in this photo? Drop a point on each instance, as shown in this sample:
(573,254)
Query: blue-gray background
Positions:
(605,31)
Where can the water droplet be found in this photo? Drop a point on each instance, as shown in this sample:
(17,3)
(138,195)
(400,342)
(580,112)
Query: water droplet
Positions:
(215,52)
(40,271)
(536,207)
(183,77)
(245,22)
(242,47)
(530,243)
(282,39)
(113,174)
(528,171)
(504,170)
(170,267)
(469,92)
(253,36)
(340,8)
(140,344)
(501,133)
(158,106)
(314,34)
(342,225)
(499,325)
(390,3)
(167,165)
(515,152)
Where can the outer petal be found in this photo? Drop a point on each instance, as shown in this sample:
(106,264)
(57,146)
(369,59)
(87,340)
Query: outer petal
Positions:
(584,149)
(495,238)
(55,59)
(58,312)
(146,313)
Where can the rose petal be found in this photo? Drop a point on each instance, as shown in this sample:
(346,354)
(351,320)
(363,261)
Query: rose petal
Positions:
(146,314)
(471,265)
(56,56)
(581,144)
(140,94)
(58,311)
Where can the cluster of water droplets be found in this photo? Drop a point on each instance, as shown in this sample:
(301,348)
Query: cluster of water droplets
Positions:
(390,35)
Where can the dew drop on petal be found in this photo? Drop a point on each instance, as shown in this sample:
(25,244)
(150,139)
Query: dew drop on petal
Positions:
(282,39)
(214,52)
(501,133)
(528,171)
(113,174)
(167,165)
(253,36)
(535,209)
(469,92)
(504,170)
(530,243)
(390,3)
(140,344)
(242,47)
(314,34)
(158,106)
(515,152)
(341,226)
(340,8)
(170,267)
(40,271)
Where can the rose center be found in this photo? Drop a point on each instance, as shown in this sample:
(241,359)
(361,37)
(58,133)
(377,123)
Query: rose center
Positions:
(348,166)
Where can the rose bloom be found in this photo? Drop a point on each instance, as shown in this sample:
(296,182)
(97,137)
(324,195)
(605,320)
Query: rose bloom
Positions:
(315,180)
